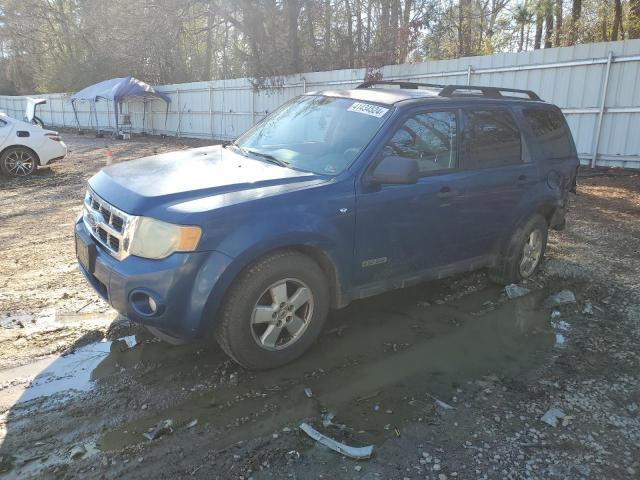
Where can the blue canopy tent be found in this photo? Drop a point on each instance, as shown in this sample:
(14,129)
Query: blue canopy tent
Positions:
(118,90)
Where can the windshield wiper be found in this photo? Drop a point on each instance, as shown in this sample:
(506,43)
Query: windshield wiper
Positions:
(266,156)
(242,151)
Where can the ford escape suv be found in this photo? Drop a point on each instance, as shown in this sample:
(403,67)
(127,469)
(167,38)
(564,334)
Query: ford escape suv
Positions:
(335,196)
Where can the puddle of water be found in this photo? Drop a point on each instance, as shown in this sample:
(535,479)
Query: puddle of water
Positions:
(392,358)
(71,373)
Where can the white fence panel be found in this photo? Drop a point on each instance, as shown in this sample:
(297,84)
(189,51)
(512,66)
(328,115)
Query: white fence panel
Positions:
(571,77)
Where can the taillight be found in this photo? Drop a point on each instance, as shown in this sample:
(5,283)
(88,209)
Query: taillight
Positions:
(53,136)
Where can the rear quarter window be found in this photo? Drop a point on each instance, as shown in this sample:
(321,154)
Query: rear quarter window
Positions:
(551,132)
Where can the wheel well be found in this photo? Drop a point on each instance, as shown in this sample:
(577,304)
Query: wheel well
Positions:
(338,299)
(23,147)
(547,212)
(329,269)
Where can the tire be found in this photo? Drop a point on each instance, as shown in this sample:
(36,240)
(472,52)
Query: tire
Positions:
(18,162)
(165,337)
(263,322)
(511,267)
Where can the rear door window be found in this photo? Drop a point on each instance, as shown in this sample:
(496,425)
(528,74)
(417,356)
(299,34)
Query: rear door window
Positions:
(491,139)
(551,131)
(430,139)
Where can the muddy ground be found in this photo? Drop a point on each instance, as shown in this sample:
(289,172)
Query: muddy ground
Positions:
(449,379)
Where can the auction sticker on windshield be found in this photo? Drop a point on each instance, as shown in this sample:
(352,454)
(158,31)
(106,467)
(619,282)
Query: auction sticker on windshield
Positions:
(368,109)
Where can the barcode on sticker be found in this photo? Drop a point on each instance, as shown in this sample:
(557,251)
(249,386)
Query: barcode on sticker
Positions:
(368,109)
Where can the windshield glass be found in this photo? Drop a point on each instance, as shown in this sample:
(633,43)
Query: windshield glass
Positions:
(315,133)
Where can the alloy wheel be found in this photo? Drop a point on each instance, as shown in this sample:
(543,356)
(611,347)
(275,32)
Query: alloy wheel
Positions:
(531,253)
(20,163)
(282,314)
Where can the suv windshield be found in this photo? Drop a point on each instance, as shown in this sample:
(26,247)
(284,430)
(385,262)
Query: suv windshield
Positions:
(315,133)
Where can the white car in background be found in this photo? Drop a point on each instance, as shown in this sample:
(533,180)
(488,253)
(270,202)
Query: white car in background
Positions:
(25,146)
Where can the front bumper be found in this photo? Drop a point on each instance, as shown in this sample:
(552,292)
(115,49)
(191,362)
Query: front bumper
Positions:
(182,285)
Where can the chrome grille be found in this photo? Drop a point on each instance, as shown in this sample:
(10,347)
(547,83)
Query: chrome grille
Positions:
(107,224)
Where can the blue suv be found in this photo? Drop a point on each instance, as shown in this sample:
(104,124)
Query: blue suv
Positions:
(336,196)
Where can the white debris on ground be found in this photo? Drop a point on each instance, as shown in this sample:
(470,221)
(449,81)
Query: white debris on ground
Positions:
(515,291)
(552,416)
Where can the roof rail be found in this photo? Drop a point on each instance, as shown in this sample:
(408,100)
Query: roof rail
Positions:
(401,84)
(450,90)
(494,92)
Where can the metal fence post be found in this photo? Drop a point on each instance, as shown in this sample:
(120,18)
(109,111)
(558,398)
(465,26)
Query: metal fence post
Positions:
(64,123)
(469,75)
(603,99)
(210,113)
(179,114)
(223,127)
(253,107)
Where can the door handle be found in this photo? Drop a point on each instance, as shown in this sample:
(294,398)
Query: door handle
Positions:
(446,193)
(521,181)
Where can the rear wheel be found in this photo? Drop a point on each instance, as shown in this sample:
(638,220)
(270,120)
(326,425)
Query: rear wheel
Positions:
(524,252)
(18,162)
(273,311)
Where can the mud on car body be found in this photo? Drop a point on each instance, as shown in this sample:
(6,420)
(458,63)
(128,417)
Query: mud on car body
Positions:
(336,196)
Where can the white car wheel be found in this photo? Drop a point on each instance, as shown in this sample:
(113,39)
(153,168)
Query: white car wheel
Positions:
(18,162)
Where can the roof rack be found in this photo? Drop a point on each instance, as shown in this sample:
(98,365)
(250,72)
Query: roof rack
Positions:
(493,92)
(408,85)
(451,90)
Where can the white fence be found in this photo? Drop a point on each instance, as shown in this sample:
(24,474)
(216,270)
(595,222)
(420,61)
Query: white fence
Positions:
(594,84)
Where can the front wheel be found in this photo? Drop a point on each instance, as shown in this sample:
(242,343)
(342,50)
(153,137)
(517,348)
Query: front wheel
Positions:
(274,311)
(524,252)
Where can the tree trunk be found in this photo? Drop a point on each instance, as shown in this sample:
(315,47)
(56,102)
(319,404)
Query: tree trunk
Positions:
(548,35)
(293,12)
(327,28)
(634,19)
(604,23)
(461,46)
(617,20)
(576,11)
(310,27)
(350,39)
(538,37)
(405,32)
(369,2)
(358,7)
(394,19)
(207,74)
(558,39)
(521,40)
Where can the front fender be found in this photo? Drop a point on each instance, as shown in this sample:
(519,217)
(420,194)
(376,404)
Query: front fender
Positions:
(219,284)
(321,218)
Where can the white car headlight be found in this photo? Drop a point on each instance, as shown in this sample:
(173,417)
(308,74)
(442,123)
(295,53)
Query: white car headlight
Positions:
(156,239)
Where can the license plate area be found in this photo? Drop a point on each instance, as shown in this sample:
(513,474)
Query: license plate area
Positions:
(86,253)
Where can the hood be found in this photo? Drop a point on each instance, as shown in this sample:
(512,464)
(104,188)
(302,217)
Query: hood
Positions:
(168,181)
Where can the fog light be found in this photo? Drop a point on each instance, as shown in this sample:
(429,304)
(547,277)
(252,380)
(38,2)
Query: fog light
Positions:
(146,303)
(152,305)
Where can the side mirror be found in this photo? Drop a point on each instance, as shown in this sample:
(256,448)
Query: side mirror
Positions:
(395,170)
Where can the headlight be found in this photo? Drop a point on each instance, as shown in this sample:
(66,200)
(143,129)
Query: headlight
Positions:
(156,239)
